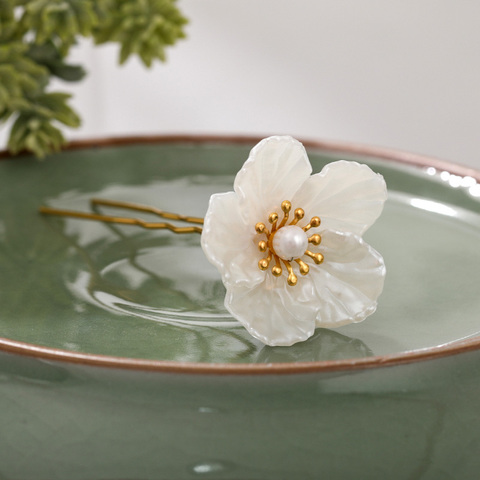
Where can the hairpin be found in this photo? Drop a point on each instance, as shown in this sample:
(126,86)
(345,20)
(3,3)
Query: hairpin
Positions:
(287,244)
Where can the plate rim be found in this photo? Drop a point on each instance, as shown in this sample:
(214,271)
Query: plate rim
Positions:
(386,154)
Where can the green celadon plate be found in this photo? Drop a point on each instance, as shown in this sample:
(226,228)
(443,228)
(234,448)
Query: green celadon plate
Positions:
(119,361)
(89,288)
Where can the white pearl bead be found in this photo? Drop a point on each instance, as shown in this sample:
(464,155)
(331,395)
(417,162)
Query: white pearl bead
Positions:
(290,242)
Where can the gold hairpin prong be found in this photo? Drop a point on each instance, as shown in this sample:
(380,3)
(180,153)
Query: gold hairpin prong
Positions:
(119,220)
(292,278)
(298,215)
(317,257)
(304,268)
(286,207)
(146,209)
(314,223)
(315,239)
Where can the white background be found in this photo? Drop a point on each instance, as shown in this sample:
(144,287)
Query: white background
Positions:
(399,73)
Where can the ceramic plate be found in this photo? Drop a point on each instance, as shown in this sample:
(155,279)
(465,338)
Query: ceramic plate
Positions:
(87,291)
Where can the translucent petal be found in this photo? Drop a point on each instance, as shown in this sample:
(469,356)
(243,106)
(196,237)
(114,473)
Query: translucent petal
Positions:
(348,282)
(273,312)
(274,171)
(347,196)
(229,244)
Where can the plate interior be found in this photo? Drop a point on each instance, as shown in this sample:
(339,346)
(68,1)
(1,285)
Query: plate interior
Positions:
(93,288)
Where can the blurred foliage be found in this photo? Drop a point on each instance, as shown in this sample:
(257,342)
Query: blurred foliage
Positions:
(35,39)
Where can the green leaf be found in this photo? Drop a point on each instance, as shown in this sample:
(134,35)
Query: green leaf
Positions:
(60,21)
(36,135)
(6,11)
(35,38)
(56,104)
(20,77)
(69,73)
(143,28)
(49,56)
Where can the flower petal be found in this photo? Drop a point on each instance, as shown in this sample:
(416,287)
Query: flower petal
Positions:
(347,196)
(273,172)
(349,281)
(228,242)
(274,313)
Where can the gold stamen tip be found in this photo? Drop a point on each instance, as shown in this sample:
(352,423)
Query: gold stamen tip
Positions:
(315,239)
(260,227)
(315,222)
(262,246)
(273,217)
(286,206)
(299,213)
(292,280)
(317,257)
(263,264)
(304,268)
(277,270)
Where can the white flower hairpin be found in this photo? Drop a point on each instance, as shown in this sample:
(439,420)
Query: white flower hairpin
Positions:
(287,243)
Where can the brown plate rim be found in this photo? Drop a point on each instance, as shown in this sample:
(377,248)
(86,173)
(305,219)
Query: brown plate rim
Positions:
(386,154)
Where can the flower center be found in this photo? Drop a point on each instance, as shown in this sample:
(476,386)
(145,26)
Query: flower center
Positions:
(285,243)
(290,242)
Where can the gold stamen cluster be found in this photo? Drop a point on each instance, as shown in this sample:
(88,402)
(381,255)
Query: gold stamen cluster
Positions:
(266,246)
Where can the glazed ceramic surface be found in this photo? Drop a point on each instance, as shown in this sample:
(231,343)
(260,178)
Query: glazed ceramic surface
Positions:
(72,287)
(87,287)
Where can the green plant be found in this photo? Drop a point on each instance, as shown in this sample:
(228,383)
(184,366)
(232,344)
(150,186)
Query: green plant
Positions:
(35,39)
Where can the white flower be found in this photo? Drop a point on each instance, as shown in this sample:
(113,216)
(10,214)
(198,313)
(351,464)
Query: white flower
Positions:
(281,281)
